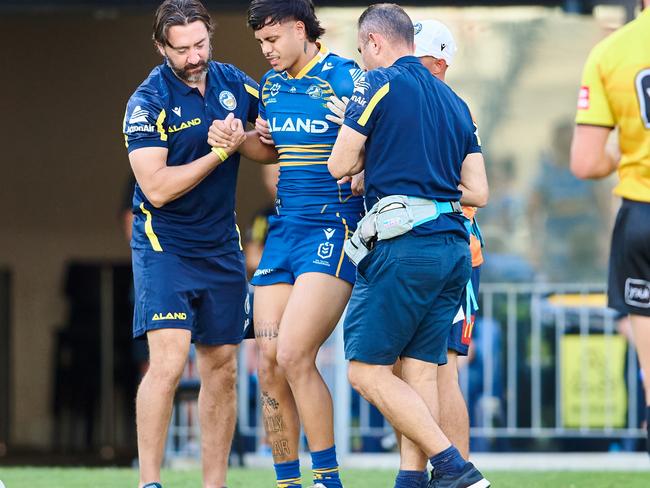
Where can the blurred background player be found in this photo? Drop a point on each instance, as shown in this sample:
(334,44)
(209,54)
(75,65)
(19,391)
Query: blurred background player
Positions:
(304,279)
(615,93)
(189,274)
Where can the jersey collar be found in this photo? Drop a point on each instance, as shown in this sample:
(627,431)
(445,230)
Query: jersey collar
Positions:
(323,52)
(407,59)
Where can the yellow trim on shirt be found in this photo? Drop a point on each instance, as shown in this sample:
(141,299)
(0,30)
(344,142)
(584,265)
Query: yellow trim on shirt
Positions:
(338,268)
(302,156)
(381,93)
(303,145)
(252,90)
(159,122)
(241,248)
(322,52)
(148,229)
(304,150)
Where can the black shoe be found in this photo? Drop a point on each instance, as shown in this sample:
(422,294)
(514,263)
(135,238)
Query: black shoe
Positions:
(152,485)
(469,477)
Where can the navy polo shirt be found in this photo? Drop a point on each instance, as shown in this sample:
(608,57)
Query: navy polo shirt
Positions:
(419,132)
(165,112)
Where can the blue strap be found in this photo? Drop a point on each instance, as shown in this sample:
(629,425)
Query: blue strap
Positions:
(471,299)
(442,208)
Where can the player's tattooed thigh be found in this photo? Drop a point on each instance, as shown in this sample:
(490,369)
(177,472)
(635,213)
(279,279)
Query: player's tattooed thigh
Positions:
(266,330)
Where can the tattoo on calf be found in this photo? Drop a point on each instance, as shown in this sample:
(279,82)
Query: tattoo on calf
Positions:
(268,402)
(281,448)
(274,424)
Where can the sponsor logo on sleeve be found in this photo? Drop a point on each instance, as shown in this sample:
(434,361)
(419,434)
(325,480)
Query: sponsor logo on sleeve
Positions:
(132,129)
(359,94)
(327,66)
(227,100)
(139,116)
(583,98)
(356,74)
(169,316)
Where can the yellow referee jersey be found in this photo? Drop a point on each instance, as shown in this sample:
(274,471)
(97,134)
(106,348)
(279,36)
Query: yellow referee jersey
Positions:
(615,91)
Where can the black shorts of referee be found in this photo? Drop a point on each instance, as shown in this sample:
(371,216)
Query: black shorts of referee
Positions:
(629,260)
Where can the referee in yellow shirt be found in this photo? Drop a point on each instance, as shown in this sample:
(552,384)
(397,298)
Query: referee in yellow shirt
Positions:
(615,92)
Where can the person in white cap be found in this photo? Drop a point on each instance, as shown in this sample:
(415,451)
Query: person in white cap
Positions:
(435,46)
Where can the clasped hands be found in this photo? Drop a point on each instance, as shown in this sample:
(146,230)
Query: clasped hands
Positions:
(227,134)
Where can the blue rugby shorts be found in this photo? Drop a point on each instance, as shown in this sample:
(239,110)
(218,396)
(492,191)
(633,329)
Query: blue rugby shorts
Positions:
(207,296)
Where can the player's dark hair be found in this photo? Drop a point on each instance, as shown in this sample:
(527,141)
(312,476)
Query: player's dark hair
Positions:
(389,20)
(268,12)
(178,12)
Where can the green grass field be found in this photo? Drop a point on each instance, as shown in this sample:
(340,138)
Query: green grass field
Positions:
(258,478)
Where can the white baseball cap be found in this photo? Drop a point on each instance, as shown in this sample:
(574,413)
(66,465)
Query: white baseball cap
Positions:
(433,38)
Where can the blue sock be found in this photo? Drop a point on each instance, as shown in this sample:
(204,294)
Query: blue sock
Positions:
(288,474)
(425,478)
(325,468)
(448,461)
(408,479)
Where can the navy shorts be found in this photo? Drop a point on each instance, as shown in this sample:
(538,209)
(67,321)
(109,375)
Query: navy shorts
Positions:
(629,260)
(298,244)
(460,335)
(405,299)
(208,296)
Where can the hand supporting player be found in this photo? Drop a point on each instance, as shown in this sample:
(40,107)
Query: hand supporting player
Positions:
(357,183)
(227,134)
(337,107)
(262,128)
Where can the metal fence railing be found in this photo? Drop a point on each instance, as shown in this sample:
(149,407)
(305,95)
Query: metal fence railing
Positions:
(547,362)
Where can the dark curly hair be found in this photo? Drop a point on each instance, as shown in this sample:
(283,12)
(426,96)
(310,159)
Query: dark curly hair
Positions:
(268,12)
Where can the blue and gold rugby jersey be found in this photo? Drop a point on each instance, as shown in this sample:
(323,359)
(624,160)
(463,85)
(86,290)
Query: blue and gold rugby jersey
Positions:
(165,112)
(295,110)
